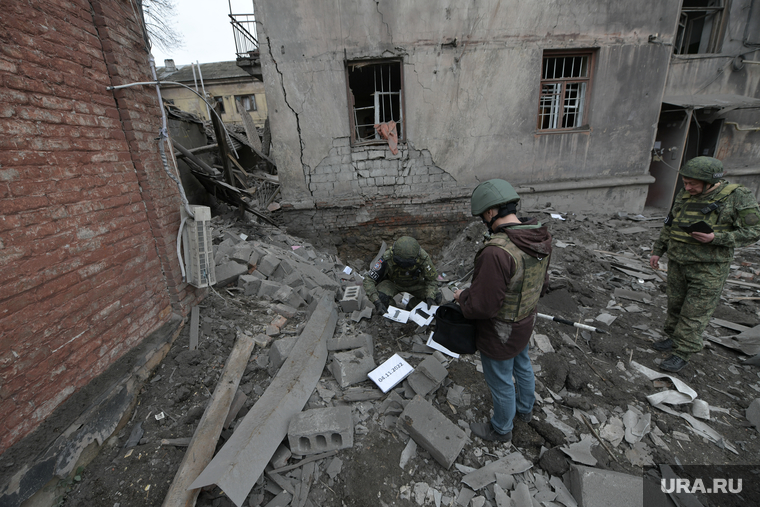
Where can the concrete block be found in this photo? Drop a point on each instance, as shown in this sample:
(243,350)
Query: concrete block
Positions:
(278,321)
(285,310)
(242,253)
(594,487)
(352,299)
(283,269)
(281,456)
(250,284)
(352,367)
(280,350)
(432,430)
(348,342)
(321,430)
(269,288)
(253,259)
(228,272)
(293,280)
(427,376)
(268,264)
(288,296)
(223,250)
(366,313)
(262,340)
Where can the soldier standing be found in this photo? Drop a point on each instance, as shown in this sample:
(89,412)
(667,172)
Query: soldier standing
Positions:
(700,261)
(405,267)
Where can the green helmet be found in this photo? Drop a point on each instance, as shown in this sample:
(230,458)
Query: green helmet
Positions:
(707,169)
(490,194)
(405,251)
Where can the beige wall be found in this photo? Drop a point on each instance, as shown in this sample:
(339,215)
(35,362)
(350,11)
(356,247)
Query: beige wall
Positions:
(188,101)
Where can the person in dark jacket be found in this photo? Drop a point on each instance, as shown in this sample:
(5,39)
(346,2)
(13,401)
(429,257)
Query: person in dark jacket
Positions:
(511,272)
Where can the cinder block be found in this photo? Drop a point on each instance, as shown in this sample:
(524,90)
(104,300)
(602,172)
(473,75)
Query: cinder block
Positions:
(268,264)
(366,313)
(594,487)
(348,342)
(280,350)
(285,310)
(250,284)
(229,272)
(288,296)
(352,367)
(253,259)
(352,299)
(284,269)
(293,280)
(268,288)
(242,253)
(427,376)
(431,429)
(321,430)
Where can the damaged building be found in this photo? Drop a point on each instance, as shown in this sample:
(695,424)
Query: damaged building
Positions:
(581,106)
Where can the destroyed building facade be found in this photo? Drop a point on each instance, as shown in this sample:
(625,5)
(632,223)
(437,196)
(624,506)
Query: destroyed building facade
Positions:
(561,99)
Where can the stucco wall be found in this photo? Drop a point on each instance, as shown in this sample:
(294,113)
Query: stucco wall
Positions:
(471,106)
(188,101)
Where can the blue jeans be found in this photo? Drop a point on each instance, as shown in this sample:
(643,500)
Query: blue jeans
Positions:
(498,376)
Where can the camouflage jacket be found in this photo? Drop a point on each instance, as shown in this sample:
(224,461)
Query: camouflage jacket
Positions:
(736,220)
(422,274)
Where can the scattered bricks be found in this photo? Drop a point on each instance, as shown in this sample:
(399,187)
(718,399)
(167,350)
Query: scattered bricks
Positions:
(284,269)
(280,350)
(321,430)
(258,274)
(242,253)
(272,330)
(352,299)
(288,296)
(285,310)
(427,376)
(250,284)
(594,487)
(229,272)
(278,321)
(352,367)
(293,280)
(431,429)
(268,264)
(269,288)
(347,342)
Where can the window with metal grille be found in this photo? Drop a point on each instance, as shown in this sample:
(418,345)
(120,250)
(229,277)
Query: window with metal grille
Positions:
(565,87)
(700,27)
(376,95)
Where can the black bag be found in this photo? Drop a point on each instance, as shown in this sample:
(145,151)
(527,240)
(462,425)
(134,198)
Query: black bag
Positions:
(453,330)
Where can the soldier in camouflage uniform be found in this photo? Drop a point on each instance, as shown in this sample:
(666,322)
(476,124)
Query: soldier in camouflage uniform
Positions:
(699,261)
(405,267)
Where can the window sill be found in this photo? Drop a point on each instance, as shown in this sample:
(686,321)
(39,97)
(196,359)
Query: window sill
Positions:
(379,142)
(585,129)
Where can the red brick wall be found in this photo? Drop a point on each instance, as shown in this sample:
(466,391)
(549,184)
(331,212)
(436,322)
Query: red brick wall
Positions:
(88,217)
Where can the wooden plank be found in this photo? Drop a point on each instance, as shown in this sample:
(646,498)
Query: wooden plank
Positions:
(202,446)
(194,318)
(234,161)
(250,128)
(729,325)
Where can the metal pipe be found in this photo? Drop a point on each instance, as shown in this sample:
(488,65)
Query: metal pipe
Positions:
(203,87)
(743,129)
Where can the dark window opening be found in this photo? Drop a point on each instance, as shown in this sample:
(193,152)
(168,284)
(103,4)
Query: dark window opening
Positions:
(565,87)
(375,96)
(220,101)
(248,101)
(700,27)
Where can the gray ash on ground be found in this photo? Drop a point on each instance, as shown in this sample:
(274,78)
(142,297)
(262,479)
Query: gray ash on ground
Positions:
(580,373)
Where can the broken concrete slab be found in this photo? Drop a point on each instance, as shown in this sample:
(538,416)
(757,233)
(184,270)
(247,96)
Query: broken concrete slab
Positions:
(352,366)
(432,430)
(250,284)
(268,289)
(268,264)
(321,430)
(351,341)
(280,350)
(593,487)
(427,376)
(580,452)
(241,253)
(513,463)
(240,462)
(228,272)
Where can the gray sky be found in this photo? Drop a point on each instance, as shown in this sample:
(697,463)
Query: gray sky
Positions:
(206,31)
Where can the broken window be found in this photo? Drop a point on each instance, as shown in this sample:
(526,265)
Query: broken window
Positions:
(376,95)
(220,100)
(700,27)
(248,101)
(565,86)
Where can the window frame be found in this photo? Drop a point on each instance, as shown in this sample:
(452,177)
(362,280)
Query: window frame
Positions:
(589,79)
(714,43)
(400,125)
(252,100)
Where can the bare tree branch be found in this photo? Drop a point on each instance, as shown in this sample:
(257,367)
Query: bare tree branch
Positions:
(159,16)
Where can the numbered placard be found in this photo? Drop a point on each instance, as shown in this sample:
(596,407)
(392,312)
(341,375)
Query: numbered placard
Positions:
(390,373)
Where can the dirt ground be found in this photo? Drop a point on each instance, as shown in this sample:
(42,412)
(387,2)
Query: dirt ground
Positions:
(588,373)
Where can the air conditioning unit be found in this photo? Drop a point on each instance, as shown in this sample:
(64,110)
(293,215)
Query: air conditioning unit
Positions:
(199,251)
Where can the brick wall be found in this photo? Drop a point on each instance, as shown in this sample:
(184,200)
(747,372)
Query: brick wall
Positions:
(88,217)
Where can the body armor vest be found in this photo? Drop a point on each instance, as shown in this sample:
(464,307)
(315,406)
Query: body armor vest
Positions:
(694,209)
(524,288)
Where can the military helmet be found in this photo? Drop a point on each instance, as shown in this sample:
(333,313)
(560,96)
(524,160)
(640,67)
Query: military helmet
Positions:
(405,251)
(707,169)
(490,194)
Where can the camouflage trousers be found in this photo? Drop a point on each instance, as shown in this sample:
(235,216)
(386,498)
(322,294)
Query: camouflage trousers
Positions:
(387,289)
(693,294)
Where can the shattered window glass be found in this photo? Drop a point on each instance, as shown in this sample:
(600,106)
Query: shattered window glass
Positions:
(376,96)
(700,27)
(565,82)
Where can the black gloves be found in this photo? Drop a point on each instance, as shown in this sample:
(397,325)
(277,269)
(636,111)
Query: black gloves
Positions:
(380,307)
(436,300)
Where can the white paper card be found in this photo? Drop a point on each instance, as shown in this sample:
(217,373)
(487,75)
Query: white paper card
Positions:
(437,346)
(347,270)
(419,318)
(397,314)
(390,373)
(556,216)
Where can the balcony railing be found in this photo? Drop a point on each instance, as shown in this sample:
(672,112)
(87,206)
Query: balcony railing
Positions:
(244,30)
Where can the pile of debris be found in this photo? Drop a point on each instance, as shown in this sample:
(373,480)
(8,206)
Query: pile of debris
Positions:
(288,339)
